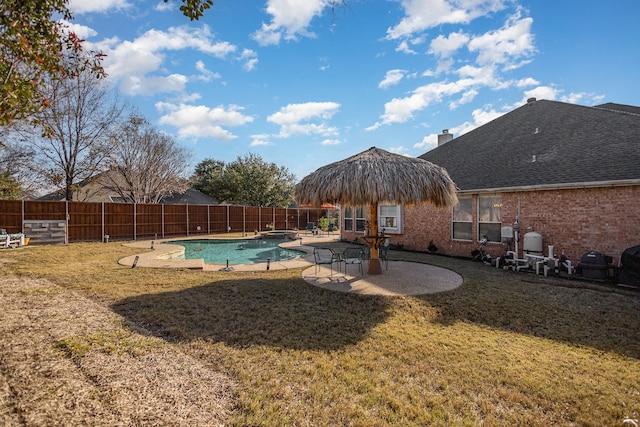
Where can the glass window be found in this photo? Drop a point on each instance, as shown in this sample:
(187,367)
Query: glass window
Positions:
(348,218)
(462,218)
(490,217)
(389,219)
(360,220)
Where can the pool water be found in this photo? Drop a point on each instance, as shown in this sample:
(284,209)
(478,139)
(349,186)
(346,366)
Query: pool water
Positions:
(246,251)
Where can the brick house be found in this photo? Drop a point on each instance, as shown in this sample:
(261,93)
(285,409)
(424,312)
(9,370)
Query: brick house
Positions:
(568,172)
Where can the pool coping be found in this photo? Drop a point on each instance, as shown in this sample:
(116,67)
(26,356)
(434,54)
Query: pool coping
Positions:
(160,252)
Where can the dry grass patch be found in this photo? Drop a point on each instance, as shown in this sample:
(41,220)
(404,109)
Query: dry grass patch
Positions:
(503,349)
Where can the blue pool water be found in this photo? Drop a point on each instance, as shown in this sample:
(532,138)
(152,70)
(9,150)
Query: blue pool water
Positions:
(251,251)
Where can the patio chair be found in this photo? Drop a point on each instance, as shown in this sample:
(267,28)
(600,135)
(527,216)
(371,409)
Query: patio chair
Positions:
(353,255)
(311,228)
(331,228)
(324,256)
(383,254)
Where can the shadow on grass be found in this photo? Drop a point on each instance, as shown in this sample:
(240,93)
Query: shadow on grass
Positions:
(577,313)
(600,316)
(243,312)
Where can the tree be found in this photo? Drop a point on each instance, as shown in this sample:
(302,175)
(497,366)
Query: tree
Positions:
(209,178)
(9,188)
(35,49)
(148,164)
(247,181)
(73,140)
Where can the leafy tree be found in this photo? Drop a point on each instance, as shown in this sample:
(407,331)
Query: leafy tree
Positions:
(247,181)
(194,9)
(35,49)
(209,178)
(146,164)
(9,188)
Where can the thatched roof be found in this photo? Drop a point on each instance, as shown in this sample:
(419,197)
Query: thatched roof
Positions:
(377,176)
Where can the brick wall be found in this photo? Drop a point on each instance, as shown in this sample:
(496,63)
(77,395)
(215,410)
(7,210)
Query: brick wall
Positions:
(574,221)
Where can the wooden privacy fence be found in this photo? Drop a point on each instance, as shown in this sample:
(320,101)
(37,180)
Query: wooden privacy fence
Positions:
(48,221)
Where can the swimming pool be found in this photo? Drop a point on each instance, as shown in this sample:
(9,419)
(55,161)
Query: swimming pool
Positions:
(245,251)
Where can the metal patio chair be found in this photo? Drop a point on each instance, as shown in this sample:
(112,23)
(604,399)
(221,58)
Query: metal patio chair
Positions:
(353,255)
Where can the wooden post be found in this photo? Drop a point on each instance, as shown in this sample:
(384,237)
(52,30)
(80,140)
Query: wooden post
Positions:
(375,266)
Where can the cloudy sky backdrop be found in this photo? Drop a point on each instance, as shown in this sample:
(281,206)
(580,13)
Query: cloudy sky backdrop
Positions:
(302,87)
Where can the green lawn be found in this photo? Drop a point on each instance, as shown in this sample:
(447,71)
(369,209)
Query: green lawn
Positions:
(505,348)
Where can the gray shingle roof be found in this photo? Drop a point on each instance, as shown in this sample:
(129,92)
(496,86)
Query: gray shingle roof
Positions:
(546,143)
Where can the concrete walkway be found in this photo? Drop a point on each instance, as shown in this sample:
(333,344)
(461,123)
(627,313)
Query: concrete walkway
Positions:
(400,278)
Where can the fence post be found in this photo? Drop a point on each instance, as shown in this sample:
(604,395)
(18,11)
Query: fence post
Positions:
(186,207)
(135,222)
(102,219)
(162,220)
(66,220)
(244,221)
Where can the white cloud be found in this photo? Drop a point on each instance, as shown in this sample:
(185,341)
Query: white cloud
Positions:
(289,19)
(529,81)
(88,6)
(444,47)
(327,142)
(202,121)
(392,77)
(399,150)
(428,142)
(404,47)
(81,31)
(133,61)
(294,113)
(511,42)
(163,6)
(466,98)
(260,140)
(400,110)
(205,74)
(134,85)
(421,15)
(294,117)
(250,59)
(480,117)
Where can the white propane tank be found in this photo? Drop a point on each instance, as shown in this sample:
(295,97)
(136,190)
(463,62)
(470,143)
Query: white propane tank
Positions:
(532,243)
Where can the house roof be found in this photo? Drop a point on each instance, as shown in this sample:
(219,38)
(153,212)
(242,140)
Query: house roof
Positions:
(100,188)
(546,144)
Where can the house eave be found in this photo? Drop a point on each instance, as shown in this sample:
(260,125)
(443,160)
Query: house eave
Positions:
(546,187)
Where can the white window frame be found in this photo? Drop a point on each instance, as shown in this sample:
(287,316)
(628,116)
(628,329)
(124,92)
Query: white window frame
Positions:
(495,213)
(468,220)
(390,219)
(360,219)
(348,216)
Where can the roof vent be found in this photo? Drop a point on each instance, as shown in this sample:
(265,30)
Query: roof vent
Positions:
(530,100)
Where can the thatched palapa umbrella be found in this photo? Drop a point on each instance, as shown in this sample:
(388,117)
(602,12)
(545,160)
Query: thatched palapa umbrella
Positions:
(377,176)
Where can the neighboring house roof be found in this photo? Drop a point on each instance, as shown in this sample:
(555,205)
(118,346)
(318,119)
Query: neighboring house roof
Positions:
(546,144)
(100,189)
(190,197)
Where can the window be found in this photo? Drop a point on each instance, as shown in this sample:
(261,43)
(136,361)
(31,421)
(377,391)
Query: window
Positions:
(490,217)
(360,220)
(348,218)
(462,219)
(389,219)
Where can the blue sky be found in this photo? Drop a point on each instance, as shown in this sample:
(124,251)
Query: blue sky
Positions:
(289,81)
